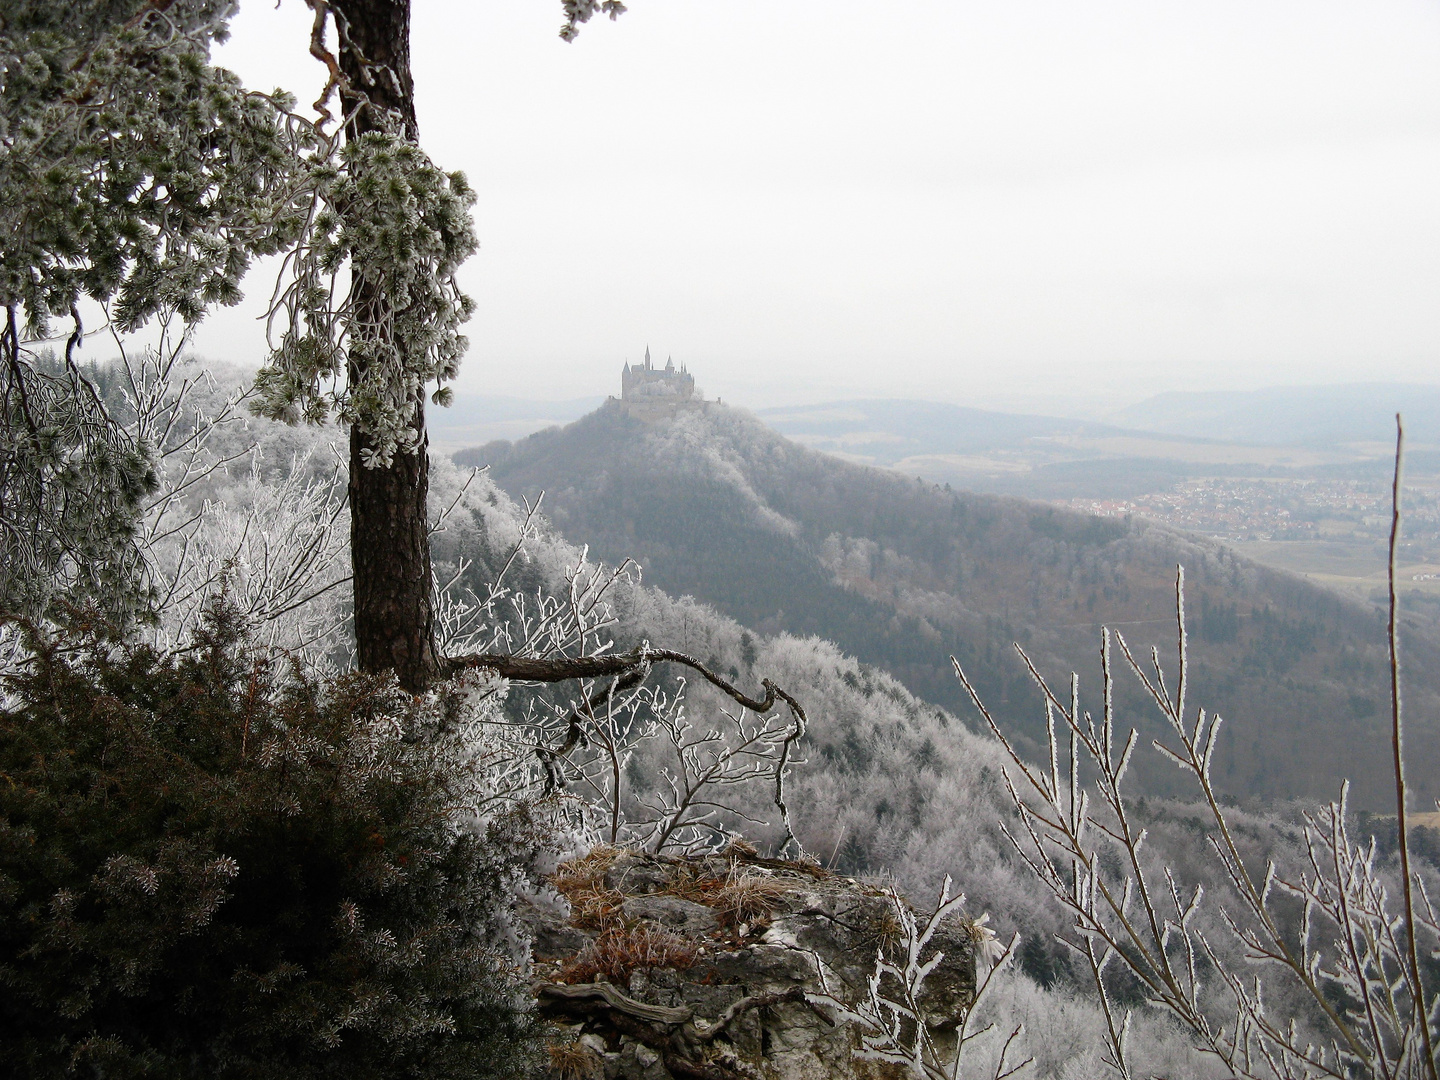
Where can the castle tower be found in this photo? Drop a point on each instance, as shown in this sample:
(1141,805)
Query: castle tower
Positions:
(656,387)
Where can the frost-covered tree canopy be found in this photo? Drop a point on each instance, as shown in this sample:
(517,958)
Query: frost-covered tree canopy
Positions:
(403,227)
(582,11)
(136,175)
(132,171)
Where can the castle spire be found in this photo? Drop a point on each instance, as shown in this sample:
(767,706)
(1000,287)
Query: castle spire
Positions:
(647,357)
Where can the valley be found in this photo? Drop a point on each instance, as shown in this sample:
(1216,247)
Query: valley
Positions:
(902,572)
(1298,481)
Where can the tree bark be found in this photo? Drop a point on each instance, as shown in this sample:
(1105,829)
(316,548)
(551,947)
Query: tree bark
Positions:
(389,539)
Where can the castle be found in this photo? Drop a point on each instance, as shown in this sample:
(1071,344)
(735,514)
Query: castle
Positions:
(649,393)
(650,383)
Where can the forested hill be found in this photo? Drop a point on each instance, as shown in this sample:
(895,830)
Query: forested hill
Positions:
(902,574)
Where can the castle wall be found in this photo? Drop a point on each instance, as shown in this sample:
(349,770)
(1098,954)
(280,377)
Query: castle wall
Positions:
(652,409)
(648,393)
(641,382)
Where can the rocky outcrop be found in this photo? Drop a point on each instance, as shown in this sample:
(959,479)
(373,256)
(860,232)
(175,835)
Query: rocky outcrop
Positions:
(666,967)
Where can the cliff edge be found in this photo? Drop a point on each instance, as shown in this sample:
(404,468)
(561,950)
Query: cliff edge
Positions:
(655,967)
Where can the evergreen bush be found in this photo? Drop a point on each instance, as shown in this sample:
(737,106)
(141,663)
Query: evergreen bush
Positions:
(212,865)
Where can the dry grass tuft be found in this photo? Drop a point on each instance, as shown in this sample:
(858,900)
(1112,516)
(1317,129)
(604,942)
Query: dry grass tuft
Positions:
(747,896)
(575,1061)
(695,884)
(887,928)
(743,895)
(620,950)
(739,848)
(593,905)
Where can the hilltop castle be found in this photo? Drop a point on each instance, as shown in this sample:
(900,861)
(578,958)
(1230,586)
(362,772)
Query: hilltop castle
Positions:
(649,393)
(649,383)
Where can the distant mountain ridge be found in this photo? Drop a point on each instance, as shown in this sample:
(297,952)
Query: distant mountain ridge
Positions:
(902,574)
(1295,415)
(1046,457)
(479,418)
(887,431)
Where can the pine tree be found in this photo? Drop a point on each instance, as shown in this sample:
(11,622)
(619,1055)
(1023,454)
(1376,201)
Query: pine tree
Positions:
(389,539)
(136,174)
(405,228)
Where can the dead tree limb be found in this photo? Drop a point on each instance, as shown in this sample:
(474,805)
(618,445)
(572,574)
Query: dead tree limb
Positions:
(603,994)
(562,668)
(628,670)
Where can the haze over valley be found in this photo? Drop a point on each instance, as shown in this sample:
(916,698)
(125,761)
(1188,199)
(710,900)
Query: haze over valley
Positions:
(901,569)
(1296,478)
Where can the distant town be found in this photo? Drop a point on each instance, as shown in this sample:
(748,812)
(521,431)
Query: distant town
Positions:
(1278,509)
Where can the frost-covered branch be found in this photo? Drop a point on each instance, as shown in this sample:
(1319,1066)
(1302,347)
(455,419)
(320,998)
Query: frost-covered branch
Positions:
(591,737)
(701,767)
(271,534)
(73,489)
(895,1024)
(1353,957)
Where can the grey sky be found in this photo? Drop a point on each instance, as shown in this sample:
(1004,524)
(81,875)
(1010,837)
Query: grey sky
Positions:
(1023,203)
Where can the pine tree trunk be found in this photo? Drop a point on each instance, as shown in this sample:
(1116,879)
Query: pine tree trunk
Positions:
(389,542)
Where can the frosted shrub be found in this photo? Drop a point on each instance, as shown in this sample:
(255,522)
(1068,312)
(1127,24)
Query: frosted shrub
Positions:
(1347,968)
(1083,843)
(643,770)
(212,865)
(233,506)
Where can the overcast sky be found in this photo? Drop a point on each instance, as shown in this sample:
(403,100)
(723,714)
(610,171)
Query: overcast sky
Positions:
(1027,204)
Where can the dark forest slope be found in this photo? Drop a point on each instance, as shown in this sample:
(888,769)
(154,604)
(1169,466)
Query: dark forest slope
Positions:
(902,574)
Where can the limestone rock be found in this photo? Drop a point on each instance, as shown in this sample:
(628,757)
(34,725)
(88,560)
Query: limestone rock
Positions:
(684,916)
(674,968)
